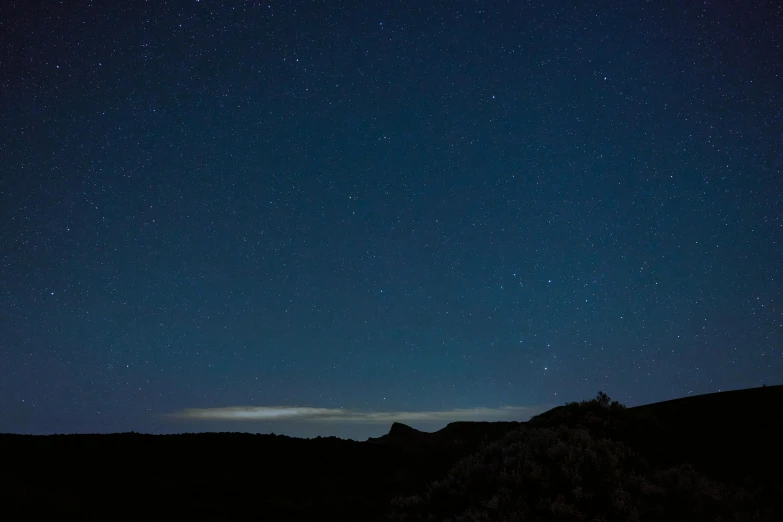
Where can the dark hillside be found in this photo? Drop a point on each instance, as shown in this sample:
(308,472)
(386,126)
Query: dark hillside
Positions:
(734,433)
(217,476)
(704,455)
(598,460)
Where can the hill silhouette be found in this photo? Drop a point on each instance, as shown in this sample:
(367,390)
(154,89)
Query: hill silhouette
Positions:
(461,434)
(695,458)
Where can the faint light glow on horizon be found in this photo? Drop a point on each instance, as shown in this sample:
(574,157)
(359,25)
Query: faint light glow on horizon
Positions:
(270,413)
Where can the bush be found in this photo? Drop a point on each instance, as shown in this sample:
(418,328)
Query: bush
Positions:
(577,470)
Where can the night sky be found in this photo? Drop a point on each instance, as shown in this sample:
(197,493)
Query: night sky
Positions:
(315,218)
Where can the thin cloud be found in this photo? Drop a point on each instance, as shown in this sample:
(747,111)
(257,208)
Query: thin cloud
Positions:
(298,413)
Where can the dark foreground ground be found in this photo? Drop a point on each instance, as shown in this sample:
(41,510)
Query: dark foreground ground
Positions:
(710,457)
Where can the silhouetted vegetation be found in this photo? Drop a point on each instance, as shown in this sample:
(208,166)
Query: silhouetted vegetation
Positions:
(573,464)
(714,457)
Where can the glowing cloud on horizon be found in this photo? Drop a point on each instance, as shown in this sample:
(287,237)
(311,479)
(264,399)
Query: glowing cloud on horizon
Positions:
(299,413)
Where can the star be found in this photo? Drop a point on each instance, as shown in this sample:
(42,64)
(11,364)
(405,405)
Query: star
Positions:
(281,235)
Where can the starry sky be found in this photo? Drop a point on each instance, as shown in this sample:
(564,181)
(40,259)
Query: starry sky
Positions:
(315,218)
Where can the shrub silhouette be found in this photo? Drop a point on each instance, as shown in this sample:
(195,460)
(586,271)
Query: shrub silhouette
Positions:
(578,469)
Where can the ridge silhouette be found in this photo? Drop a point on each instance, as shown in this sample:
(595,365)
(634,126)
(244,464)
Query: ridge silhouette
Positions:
(730,438)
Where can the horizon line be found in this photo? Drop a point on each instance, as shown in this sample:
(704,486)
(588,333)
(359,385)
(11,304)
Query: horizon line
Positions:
(312,414)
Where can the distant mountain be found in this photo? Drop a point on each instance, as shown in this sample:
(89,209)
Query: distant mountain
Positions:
(454,435)
(400,433)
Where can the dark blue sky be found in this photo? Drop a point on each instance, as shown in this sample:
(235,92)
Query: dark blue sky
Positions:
(383,208)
